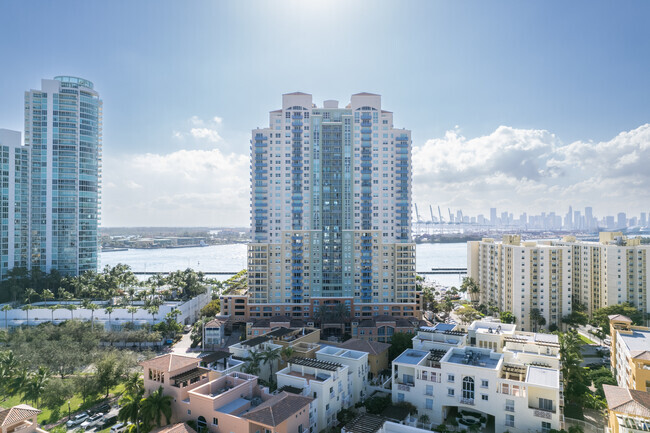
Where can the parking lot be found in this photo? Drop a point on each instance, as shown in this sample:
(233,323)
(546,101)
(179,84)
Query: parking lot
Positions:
(96,427)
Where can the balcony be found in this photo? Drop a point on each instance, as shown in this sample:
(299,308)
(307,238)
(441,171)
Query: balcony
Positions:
(403,387)
(541,413)
(468,401)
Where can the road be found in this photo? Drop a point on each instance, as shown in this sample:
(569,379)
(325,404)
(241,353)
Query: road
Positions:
(183,347)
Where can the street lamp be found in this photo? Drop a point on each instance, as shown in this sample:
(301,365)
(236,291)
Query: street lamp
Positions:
(68,410)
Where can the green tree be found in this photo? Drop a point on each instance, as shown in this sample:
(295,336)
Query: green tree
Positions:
(130,405)
(470,286)
(87,387)
(211,309)
(270,356)
(132,310)
(155,405)
(468,314)
(92,307)
(5,309)
(153,310)
(573,375)
(507,317)
(287,353)
(399,342)
(109,310)
(57,391)
(253,361)
(601,315)
(71,308)
(26,309)
(47,294)
(134,384)
(536,319)
(109,370)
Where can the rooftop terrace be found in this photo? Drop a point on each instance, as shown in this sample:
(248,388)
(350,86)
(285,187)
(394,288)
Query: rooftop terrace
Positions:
(475,358)
(412,356)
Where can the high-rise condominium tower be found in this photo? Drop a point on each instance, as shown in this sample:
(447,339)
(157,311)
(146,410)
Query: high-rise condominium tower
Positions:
(63,123)
(14,202)
(331,211)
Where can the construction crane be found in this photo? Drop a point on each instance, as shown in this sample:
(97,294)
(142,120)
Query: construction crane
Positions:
(451,217)
(417,214)
(440,215)
(433,220)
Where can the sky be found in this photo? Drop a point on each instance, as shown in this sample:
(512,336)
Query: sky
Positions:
(521,105)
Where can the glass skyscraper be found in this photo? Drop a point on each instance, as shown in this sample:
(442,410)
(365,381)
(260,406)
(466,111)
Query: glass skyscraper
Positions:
(14,202)
(63,124)
(331,211)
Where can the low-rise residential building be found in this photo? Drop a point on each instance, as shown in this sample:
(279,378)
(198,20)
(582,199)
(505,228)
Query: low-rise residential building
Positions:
(20,418)
(327,382)
(628,409)
(243,350)
(491,374)
(630,353)
(358,369)
(214,333)
(224,403)
(221,362)
(377,353)
(257,327)
(368,423)
(382,327)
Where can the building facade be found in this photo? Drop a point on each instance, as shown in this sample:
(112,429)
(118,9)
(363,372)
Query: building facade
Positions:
(611,271)
(630,353)
(487,374)
(63,129)
(14,202)
(330,210)
(521,277)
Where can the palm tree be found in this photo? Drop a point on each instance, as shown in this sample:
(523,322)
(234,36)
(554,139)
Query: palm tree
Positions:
(71,307)
(536,318)
(52,309)
(132,310)
(134,384)
(47,294)
(153,310)
(130,408)
(253,363)
(6,308)
(269,356)
(26,309)
(29,293)
(109,310)
(153,406)
(92,307)
(287,353)
(36,384)
(19,382)
(8,369)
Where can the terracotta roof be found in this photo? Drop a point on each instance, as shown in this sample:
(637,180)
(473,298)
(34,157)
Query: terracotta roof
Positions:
(371,347)
(170,362)
(619,317)
(181,427)
(16,414)
(277,409)
(216,322)
(627,401)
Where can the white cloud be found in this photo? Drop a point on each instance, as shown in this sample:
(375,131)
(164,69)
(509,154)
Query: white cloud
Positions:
(183,188)
(207,133)
(532,170)
(201,131)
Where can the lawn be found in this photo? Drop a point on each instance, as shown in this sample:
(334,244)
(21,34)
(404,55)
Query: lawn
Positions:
(49,416)
(586,340)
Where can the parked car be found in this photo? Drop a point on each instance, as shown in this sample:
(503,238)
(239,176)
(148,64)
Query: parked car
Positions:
(109,421)
(92,421)
(105,408)
(187,329)
(78,419)
(120,428)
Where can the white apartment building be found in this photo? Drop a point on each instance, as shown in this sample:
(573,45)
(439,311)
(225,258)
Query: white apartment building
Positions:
(521,276)
(243,350)
(331,209)
(327,382)
(494,374)
(358,368)
(611,271)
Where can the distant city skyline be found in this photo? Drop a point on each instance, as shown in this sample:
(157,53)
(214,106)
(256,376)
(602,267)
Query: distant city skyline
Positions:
(509,108)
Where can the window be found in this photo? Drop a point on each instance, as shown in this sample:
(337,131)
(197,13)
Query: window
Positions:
(400,397)
(468,388)
(429,390)
(510,420)
(300,428)
(546,427)
(546,404)
(450,378)
(484,397)
(215,421)
(450,392)
(429,403)
(510,405)
(484,383)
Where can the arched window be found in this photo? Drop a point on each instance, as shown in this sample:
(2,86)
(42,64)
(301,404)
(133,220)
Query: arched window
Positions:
(201,424)
(468,388)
